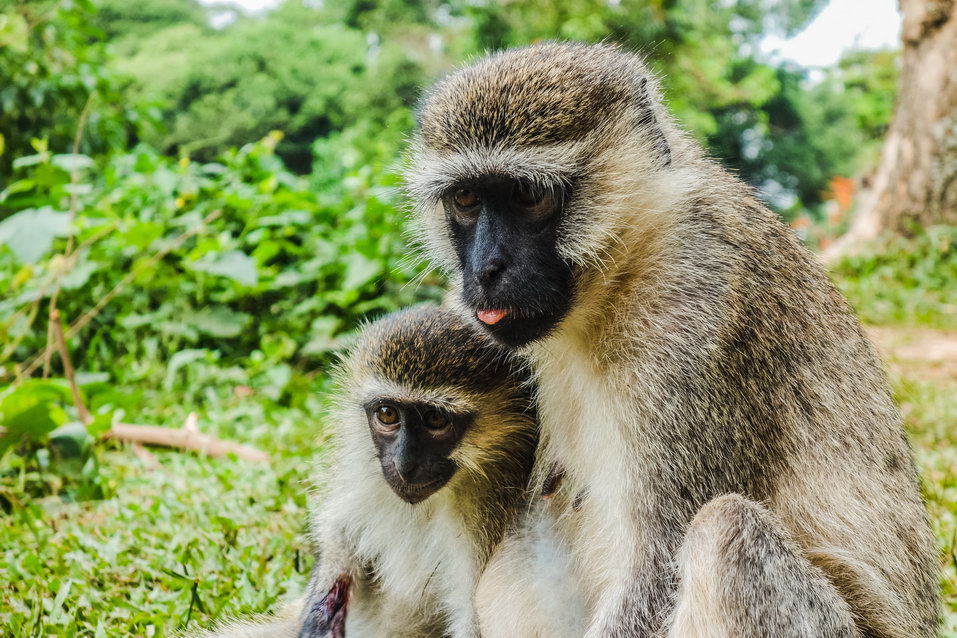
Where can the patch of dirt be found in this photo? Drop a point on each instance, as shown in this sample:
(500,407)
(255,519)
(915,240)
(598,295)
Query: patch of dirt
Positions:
(931,354)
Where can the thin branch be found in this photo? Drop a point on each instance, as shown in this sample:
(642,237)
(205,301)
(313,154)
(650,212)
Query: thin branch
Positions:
(30,312)
(48,349)
(54,313)
(74,202)
(68,371)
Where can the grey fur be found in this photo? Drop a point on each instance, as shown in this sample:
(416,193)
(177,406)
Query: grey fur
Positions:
(706,354)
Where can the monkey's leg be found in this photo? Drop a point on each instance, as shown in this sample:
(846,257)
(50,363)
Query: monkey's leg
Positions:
(742,577)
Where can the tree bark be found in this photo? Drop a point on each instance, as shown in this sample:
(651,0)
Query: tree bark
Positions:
(916,181)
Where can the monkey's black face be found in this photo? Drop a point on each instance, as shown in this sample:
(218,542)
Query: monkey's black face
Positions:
(505,234)
(413,442)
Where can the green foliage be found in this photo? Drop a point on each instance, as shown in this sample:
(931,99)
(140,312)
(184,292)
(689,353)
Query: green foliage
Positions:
(347,67)
(170,546)
(306,265)
(225,88)
(272,283)
(121,20)
(865,83)
(905,280)
(929,407)
(49,71)
(42,449)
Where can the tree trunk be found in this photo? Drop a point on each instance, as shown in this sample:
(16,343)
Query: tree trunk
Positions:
(916,181)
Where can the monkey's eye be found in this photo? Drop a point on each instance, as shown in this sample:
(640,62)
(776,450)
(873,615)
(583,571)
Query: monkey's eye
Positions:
(435,420)
(465,198)
(538,202)
(387,415)
(527,194)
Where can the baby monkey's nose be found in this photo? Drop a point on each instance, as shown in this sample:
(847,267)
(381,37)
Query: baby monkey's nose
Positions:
(406,467)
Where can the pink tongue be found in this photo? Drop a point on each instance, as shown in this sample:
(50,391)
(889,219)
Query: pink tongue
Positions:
(490,317)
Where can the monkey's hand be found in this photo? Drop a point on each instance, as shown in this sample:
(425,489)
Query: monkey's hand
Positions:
(326,617)
(553,480)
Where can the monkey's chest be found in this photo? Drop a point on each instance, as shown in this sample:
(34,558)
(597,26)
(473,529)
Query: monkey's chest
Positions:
(431,569)
(585,427)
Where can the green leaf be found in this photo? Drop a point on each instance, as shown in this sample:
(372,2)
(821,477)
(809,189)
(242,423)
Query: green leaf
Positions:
(180,359)
(14,32)
(79,274)
(359,270)
(72,161)
(70,441)
(289,217)
(30,233)
(30,160)
(234,264)
(321,339)
(33,409)
(218,321)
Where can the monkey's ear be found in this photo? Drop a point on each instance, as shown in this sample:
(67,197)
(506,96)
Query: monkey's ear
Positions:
(646,120)
(324,615)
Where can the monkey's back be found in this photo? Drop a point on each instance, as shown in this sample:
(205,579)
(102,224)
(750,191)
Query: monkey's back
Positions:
(783,383)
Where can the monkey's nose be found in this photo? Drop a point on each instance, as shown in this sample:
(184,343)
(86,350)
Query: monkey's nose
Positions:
(405,467)
(490,271)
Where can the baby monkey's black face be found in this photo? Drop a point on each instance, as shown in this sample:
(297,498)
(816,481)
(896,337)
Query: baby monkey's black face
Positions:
(505,233)
(413,442)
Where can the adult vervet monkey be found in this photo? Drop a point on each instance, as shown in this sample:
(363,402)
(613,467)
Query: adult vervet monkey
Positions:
(434,437)
(703,384)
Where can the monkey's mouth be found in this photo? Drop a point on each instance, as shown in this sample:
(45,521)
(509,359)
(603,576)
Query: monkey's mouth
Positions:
(515,326)
(492,316)
(413,493)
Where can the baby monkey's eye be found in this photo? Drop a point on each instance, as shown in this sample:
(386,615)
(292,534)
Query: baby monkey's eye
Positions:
(435,420)
(465,198)
(387,415)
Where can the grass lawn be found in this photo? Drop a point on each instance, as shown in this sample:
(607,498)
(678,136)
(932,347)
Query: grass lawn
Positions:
(176,544)
(190,539)
(926,386)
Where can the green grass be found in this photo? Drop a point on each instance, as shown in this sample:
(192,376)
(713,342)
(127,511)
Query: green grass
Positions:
(905,281)
(174,546)
(930,414)
(197,538)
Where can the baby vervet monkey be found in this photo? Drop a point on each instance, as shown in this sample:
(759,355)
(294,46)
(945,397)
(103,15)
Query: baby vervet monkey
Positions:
(433,437)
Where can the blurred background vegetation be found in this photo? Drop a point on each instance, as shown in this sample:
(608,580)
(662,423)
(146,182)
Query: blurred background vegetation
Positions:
(209,201)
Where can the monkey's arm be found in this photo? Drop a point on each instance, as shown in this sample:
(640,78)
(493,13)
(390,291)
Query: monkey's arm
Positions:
(327,595)
(324,611)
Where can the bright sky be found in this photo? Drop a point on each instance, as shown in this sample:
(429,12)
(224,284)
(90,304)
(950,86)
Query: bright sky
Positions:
(841,25)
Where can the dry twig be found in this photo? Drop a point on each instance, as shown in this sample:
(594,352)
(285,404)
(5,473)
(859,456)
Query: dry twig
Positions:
(187,437)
